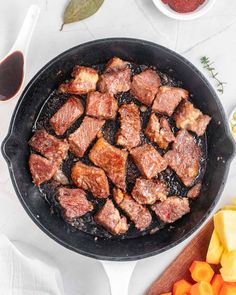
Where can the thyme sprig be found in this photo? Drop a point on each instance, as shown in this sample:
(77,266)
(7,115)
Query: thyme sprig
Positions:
(208,65)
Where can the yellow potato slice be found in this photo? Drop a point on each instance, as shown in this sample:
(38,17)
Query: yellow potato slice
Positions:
(215,249)
(228,260)
(228,275)
(225,226)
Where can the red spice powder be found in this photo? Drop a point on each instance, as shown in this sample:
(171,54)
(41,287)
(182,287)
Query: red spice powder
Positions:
(184,6)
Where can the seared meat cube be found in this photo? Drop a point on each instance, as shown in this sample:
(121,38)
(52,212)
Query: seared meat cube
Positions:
(73,203)
(81,139)
(167,99)
(48,145)
(90,178)
(184,159)
(71,110)
(85,80)
(145,86)
(41,168)
(116,64)
(171,209)
(111,159)
(139,214)
(129,133)
(194,192)
(190,118)
(158,130)
(148,160)
(148,191)
(114,82)
(110,218)
(101,105)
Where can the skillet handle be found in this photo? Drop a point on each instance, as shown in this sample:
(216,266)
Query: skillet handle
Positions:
(6,149)
(119,274)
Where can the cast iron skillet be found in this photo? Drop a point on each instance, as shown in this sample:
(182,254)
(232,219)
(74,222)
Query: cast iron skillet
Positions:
(15,149)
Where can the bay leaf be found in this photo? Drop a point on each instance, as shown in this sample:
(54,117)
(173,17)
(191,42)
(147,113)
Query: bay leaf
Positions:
(78,10)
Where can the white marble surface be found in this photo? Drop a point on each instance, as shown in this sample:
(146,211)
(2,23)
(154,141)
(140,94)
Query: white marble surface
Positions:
(212,35)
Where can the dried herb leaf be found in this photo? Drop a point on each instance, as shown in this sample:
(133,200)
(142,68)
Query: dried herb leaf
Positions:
(78,10)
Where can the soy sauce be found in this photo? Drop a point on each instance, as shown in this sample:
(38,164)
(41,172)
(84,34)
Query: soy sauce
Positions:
(11,75)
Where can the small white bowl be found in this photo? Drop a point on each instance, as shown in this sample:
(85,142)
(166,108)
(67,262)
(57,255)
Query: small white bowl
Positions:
(202,9)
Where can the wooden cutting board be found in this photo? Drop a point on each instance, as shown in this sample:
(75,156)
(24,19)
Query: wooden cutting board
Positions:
(179,268)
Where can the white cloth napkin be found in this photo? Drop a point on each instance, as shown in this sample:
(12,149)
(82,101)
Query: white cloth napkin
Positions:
(24,271)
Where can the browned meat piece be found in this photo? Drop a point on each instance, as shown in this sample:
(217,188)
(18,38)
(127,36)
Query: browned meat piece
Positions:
(90,178)
(73,202)
(148,160)
(111,159)
(145,86)
(85,80)
(139,214)
(148,191)
(171,209)
(114,82)
(71,110)
(129,133)
(101,105)
(194,192)
(184,159)
(167,99)
(81,139)
(41,168)
(116,64)
(48,145)
(158,130)
(190,118)
(110,218)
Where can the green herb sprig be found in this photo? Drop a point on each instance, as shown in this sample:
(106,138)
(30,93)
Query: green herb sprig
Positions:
(208,65)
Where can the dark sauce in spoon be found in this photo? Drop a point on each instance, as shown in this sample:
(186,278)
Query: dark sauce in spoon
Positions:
(11,75)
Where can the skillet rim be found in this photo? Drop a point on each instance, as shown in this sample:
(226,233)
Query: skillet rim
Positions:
(228,138)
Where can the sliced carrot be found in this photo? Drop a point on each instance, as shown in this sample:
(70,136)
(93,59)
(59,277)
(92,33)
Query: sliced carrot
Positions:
(169,293)
(201,288)
(228,289)
(216,284)
(181,287)
(201,271)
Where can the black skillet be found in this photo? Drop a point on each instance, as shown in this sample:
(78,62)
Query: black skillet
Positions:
(15,149)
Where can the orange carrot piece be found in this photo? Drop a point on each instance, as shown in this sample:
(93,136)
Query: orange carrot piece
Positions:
(201,271)
(201,288)
(217,283)
(169,293)
(228,289)
(181,287)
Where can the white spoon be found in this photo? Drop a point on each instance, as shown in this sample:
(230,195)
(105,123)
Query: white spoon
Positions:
(12,67)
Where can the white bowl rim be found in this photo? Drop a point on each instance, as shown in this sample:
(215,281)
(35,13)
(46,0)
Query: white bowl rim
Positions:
(165,9)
